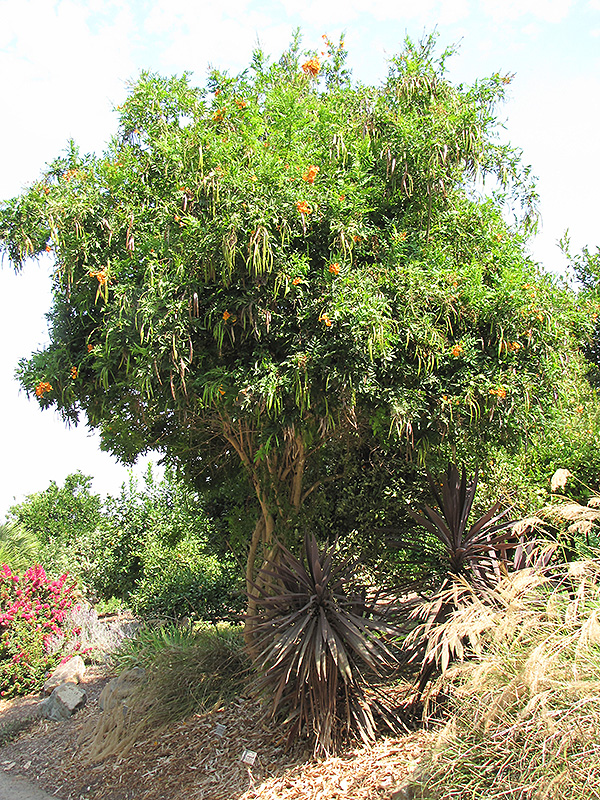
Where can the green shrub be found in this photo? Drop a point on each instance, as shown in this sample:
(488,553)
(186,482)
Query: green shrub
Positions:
(148,547)
(69,526)
(185,581)
(18,546)
(61,513)
(116,561)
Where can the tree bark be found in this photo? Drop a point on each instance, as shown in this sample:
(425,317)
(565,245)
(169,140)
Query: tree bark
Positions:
(277,479)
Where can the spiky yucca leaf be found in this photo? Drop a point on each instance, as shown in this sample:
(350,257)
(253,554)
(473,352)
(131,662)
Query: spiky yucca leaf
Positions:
(477,552)
(320,643)
(478,548)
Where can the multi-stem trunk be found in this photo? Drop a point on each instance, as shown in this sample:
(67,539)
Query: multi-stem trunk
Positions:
(277,478)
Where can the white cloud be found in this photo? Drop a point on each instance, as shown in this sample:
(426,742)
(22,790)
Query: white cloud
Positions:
(221,36)
(531,31)
(342,13)
(453,12)
(555,124)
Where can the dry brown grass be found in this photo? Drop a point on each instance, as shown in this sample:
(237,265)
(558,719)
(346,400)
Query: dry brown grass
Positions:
(170,673)
(526,719)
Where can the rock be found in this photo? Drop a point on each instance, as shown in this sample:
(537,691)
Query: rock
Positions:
(64,701)
(120,688)
(72,671)
(406,792)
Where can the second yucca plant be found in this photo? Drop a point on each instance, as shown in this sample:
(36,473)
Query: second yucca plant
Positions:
(475,553)
(320,643)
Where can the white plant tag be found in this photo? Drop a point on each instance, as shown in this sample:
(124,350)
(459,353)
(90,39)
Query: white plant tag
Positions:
(249,757)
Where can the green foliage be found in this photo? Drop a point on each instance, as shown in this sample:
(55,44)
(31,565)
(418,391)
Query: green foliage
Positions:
(283,257)
(111,606)
(61,513)
(586,266)
(198,667)
(320,645)
(18,546)
(66,521)
(185,581)
(148,547)
(159,557)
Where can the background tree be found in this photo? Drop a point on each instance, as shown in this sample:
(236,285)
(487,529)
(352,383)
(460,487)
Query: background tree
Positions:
(64,520)
(149,548)
(158,554)
(285,262)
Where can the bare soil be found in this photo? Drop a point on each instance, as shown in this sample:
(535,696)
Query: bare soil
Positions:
(189,760)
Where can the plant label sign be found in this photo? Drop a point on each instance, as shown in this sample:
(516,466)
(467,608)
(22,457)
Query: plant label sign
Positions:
(249,757)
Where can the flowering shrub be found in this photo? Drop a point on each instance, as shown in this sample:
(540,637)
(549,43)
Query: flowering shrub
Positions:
(35,627)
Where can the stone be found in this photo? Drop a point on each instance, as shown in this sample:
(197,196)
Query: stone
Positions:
(120,688)
(64,701)
(406,792)
(72,671)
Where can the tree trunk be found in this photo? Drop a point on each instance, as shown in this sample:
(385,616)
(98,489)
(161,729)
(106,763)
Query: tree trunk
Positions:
(277,479)
(262,534)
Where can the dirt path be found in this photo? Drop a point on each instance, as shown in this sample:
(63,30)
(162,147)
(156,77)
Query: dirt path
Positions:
(19,788)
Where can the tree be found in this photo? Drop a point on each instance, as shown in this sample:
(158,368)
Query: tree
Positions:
(66,513)
(586,267)
(157,555)
(284,259)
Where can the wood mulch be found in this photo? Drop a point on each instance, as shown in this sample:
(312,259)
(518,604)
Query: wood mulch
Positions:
(189,761)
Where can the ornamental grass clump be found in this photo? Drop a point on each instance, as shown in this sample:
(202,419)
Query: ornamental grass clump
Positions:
(321,645)
(176,672)
(526,710)
(576,519)
(187,669)
(35,627)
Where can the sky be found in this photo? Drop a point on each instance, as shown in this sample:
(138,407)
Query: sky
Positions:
(65,65)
